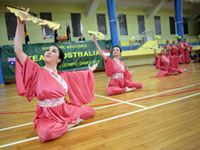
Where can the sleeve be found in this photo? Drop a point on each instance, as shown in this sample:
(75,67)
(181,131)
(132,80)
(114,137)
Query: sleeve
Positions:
(127,75)
(108,66)
(158,63)
(81,86)
(174,61)
(26,78)
(190,48)
(179,45)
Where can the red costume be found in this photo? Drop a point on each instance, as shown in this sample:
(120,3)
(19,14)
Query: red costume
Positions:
(174,50)
(120,77)
(181,52)
(167,66)
(188,49)
(53,112)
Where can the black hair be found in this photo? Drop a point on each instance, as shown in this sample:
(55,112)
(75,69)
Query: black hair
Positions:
(61,55)
(118,47)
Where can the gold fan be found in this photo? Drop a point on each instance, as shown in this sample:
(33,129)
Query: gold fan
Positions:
(25,16)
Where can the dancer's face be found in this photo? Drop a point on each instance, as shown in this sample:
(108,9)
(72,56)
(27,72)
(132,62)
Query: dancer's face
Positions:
(116,52)
(173,42)
(164,52)
(52,55)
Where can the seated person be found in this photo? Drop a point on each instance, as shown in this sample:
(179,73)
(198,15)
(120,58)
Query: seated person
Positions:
(81,37)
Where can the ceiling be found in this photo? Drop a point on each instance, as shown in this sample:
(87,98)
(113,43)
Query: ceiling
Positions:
(189,5)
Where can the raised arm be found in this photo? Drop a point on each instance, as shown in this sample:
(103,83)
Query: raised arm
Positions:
(155,53)
(18,41)
(98,48)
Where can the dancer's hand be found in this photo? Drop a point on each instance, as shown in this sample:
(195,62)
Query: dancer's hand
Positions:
(18,19)
(93,67)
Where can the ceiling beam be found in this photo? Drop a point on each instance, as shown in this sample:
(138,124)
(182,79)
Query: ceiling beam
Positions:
(92,7)
(152,11)
(195,14)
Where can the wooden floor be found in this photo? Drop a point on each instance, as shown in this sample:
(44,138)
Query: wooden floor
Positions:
(163,115)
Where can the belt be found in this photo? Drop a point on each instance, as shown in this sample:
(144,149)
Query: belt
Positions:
(51,102)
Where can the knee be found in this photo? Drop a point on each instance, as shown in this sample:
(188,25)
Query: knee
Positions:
(44,134)
(87,113)
(139,85)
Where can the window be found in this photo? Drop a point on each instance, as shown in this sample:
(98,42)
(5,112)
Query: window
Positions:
(49,32)
(157,25)
(141,24)
(101,22)
(122,24)
(172,25)
(185,24)
(76,18)
(11,24)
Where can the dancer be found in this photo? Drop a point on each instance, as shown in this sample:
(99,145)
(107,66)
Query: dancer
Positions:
(121,78)
(168,48)
(174,49)
(54,114)
(188,49)
(181,51)
(165,65)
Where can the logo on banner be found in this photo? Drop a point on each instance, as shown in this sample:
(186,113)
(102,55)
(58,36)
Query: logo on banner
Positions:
(12,60)
(106,52)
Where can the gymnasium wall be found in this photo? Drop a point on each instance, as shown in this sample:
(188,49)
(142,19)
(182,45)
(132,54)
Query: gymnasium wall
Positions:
(61,13)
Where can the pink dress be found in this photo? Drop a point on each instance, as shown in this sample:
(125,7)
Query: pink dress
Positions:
(120,77)
(166,66)
(174,51)
(188,48)
(181,52)
(168,47)
(53,112)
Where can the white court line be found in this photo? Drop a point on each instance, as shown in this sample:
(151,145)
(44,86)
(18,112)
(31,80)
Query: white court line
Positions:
(145,96)
(9,97)
(30,123)
(103,120)
(105,106)
(12,127)
(163,92)
(124,102)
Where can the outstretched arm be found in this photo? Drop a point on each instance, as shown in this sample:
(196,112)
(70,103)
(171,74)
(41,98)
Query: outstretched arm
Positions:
(98,48)
(18,41)
(155,53)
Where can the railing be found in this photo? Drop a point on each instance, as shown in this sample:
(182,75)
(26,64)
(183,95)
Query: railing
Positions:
(149,35)
(138,40)
(191,40)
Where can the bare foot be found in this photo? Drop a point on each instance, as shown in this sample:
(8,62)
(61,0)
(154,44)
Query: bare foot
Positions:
(185,70)
(130,89)
(78,121)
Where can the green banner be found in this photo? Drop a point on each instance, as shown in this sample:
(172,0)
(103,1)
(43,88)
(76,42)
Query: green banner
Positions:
(77,55)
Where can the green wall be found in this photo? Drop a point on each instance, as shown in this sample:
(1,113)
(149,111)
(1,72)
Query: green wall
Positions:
(61,13)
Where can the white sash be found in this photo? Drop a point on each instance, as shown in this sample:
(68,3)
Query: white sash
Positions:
(165,58)
(58,78)
(119,64)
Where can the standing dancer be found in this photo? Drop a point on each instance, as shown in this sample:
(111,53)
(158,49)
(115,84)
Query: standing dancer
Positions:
(53,115)
(188,49)
(121,78)
(168,48)
(181,51)
(165,65)
(174,49)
